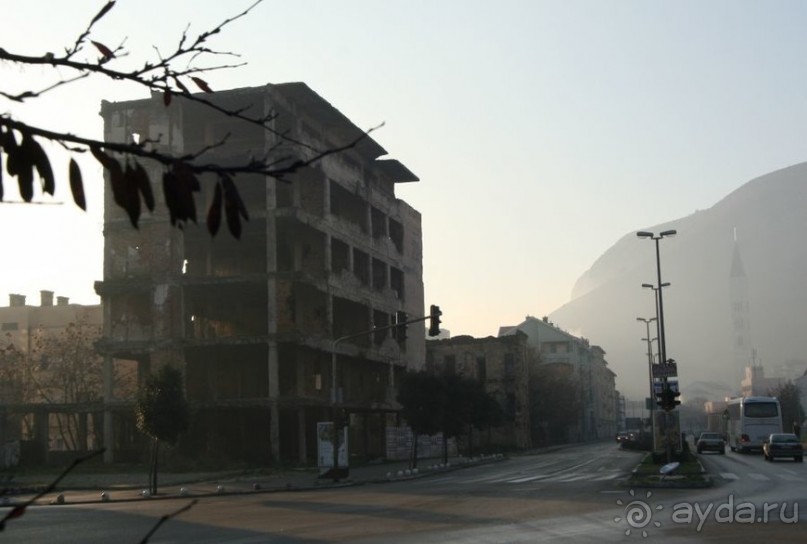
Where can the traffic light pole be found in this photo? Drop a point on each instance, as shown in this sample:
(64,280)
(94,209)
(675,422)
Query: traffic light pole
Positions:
(434,315)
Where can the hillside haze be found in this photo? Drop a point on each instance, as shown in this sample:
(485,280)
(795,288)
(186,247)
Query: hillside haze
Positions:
(767,218)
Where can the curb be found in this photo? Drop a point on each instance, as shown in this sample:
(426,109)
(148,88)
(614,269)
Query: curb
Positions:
(673,481)
(432,470)
(103,496)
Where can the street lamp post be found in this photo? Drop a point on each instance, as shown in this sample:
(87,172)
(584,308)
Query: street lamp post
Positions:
(650,372)
(660,315)
(660,298)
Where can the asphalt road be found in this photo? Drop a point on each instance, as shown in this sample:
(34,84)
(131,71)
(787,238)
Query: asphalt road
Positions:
(573,495)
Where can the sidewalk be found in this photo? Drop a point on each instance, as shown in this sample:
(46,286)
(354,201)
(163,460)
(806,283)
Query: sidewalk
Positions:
(102,487)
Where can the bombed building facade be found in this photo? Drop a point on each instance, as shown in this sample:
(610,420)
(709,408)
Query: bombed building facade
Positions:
(328,251)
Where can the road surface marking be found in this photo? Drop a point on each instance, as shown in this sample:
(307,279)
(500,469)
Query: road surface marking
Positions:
(760,477)
(729,476)
(609,477)
(528,479)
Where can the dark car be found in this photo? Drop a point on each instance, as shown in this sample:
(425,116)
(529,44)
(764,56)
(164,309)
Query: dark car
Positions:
(710,441)
(783,445)
(622,436)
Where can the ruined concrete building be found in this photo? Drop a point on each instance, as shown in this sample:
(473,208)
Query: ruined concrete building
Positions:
(503,366)
(326,253)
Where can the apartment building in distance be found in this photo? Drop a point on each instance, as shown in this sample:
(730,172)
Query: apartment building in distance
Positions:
(585,365)
(328,252)
(503,366)
(37,408)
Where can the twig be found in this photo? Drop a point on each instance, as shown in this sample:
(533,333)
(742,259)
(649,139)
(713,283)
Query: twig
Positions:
(165,518)
(19,510)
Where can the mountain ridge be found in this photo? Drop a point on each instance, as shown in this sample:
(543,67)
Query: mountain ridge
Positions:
(766,216)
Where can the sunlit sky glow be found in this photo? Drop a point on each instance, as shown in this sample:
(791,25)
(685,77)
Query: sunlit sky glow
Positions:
(542,131)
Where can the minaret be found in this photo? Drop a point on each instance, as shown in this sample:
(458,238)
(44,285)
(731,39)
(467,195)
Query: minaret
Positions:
(740,315)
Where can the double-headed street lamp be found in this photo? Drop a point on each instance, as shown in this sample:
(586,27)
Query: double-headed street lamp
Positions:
(659,298)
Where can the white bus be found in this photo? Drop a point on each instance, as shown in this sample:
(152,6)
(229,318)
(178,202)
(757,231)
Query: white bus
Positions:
(750,421)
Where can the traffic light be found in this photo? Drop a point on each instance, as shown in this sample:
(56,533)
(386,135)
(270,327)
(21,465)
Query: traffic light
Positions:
(660,399)
(434,320)
(667,399)
(674,399)
(400,328)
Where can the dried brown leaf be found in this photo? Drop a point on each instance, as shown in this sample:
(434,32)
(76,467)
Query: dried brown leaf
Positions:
(214,213)
(105,51)
(143,184)
(124,193)
(234,208)
(24,157)
(202,84)
(231,193)
(10,145)
(77,185)
(188,184)
(43,167)
(131,194)
(170,193)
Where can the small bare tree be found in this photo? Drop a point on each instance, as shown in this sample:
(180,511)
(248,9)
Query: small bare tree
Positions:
(65,369)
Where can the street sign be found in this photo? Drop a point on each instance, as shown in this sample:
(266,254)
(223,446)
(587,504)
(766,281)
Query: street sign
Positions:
(666,370)
(658,387)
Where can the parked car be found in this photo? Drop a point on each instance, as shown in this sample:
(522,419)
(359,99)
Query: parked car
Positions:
(711,441)
(783,445)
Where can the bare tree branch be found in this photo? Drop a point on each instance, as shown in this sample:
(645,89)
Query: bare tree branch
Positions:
(165,518)
(26,160)
(19,510)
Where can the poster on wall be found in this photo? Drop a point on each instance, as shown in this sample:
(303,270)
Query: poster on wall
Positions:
(325,447)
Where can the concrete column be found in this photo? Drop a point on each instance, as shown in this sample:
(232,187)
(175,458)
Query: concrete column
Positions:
(108,441)
(274,396)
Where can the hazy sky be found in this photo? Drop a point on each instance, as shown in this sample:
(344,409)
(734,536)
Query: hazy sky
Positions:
(542,131)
